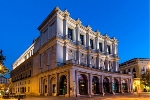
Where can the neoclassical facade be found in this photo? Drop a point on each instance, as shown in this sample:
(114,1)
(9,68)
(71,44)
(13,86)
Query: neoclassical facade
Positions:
(69,59)
(136,67)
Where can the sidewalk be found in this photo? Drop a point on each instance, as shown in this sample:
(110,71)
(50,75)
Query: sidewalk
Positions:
(126,96)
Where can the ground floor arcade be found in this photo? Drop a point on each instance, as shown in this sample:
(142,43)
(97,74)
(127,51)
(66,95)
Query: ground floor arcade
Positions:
(77,80)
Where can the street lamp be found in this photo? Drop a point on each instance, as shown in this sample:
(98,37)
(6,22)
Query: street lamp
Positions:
(3,70)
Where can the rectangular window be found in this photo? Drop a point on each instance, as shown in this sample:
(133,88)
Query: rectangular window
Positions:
(82,39)
(108,49)
(54,86)
(24,89)
(70,33)
(100,47)
(45,88)
(28,89)
(91,43)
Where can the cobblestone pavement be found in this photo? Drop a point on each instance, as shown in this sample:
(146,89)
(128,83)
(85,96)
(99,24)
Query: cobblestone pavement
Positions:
(99,97)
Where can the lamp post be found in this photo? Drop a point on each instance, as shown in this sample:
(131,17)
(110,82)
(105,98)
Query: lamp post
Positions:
(3,70)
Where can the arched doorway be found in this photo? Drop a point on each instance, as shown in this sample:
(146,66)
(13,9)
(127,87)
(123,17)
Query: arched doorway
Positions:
(95,85)
(63,85)
(106,85)
(45,87)
(116,86)
(83,84)
(53,86)
(124,85)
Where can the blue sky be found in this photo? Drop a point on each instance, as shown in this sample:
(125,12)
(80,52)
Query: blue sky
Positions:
(127,20)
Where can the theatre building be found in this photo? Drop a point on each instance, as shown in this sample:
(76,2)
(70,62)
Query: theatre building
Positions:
(69,59)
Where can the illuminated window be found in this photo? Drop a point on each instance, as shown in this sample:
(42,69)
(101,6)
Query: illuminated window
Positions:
(82,39)
(91,43)
(100,47)
(108,49)
(45,88)
(70,33)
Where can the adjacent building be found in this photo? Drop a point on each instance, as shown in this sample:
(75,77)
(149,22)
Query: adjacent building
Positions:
(3,80)
(136,67)
(69,59)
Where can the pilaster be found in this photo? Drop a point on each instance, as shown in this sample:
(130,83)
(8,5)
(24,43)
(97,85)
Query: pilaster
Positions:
(72,83)
(77,83)
(65,28)
(57,84)
(68,84)
(48,59)
(48,86)
(90,84)
(65,52)
(106,63)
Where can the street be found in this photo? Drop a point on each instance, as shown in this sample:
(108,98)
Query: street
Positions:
(99,97)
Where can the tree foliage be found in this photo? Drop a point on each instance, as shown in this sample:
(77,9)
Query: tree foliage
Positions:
(145,78)
(2,58)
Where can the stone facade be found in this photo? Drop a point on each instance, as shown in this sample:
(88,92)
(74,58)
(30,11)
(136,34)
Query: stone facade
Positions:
(70,59)
(136,67)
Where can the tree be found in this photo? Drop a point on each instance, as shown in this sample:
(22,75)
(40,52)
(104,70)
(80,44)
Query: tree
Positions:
(2,58)
(145,78)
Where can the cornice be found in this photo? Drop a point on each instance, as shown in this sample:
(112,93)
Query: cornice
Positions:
(56,9)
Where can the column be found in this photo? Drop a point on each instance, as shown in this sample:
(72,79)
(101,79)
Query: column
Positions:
(48,59)
(90,84)
(96,46)
(106,63)
(87,40)
(65,27)
(131,85)
(100,84)
(74,35)
(98,61)
(97,43)
(110,84)
(88,59)
(116,66)
(68,84)
(57,83)
(128,85)
(65,52)
(41,86)
(113,48)
(77,33)
(116,47)
(121,90)
(105,46)
(102,88)
(78,56)
(41,63)
(48,86)
(77,82)
(72,83)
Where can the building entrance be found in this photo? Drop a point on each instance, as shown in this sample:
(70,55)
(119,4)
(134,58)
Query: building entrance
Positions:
(106,85)
(95,85)
(83,84)
(116,86)
(63,85)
